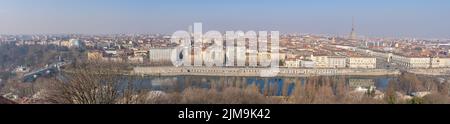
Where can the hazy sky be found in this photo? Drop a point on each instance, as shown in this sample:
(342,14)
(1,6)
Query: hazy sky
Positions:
(412,18)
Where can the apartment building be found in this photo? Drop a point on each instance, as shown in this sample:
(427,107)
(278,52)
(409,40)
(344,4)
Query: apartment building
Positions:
(362,62)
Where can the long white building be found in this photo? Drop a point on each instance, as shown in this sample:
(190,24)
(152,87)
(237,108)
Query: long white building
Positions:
(159,55)
(362,62)
(337,62)
(412,61)
(329,61)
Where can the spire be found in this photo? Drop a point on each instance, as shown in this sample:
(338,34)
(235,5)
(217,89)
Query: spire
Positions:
(353,33)
(353,23)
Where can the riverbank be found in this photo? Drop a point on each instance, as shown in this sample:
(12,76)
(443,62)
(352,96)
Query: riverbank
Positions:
(432,72)
(244,71)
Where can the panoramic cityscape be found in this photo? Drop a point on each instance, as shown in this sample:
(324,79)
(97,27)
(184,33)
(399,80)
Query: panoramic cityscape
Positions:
(351,52)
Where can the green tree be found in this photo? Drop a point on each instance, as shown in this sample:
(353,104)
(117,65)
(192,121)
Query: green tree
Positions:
(416,100)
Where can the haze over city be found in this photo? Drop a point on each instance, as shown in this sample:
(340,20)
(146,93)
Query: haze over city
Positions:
(385,18)
(225,60)
(225,52)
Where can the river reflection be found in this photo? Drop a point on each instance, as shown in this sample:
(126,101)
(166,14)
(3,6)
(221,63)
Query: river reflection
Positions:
(277,84)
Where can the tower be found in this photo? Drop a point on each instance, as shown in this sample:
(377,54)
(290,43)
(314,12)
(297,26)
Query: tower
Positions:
(353,36)
(190,30)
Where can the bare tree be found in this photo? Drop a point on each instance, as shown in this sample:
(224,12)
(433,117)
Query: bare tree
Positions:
(97,83)
(390,95)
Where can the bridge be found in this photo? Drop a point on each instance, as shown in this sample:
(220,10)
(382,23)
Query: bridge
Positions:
(53,68)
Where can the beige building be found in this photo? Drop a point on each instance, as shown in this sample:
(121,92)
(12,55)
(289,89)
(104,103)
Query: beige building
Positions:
(211,58)
(337,62)
(362,62)
(264,57)
(292,63)
(329,61)
(411,62)
(241,56)
(440,62)
(420,62)
(400,60)
(158,55)
(320,61)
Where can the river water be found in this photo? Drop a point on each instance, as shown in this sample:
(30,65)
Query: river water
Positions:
(179,83)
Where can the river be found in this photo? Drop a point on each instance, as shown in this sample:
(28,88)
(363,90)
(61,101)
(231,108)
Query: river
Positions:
(179,83)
